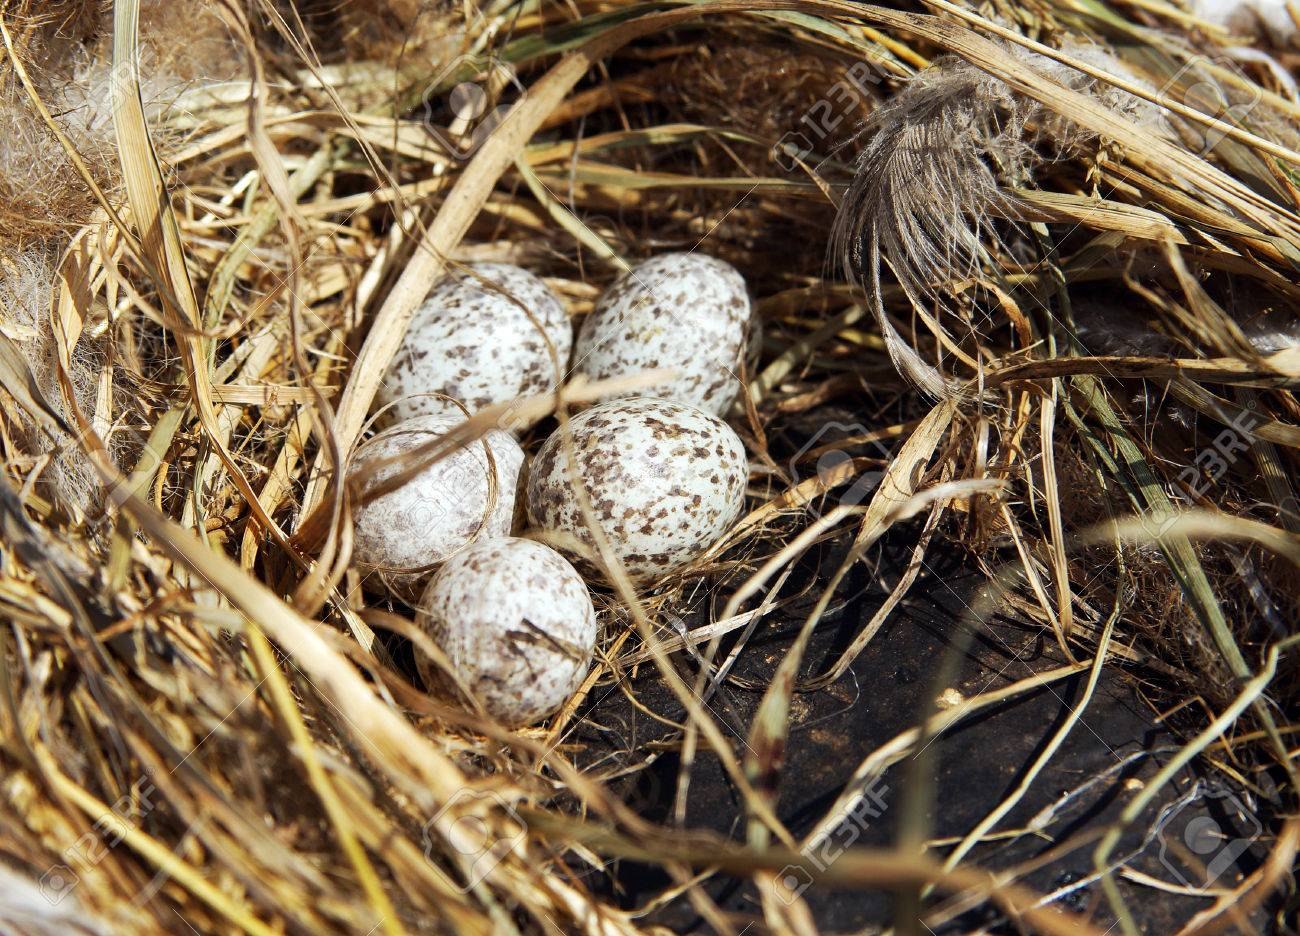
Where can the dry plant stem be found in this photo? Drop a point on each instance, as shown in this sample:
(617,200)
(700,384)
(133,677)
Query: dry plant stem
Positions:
(986,825)
(397,746)
(780,368)
(160,238)
(1280,370)
(875,764)
(1063,621)
(113,686)
(1146,494)
(767,737)
(156,853)
(1030,569)
(1235,907)
(856,867)
(696,636)
(1205,525)
(52,676)
(897,497)
(14,380)
(151,459)
(872,627)
(1177,107)
(568,220)
(320,580)
(459,210)
(287,706)
(1249,695)
(897,487)
(715,639)
(706,684)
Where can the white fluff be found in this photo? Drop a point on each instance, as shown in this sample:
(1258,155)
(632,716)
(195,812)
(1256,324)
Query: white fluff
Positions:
(46,907)
(26,294)
(1249,17)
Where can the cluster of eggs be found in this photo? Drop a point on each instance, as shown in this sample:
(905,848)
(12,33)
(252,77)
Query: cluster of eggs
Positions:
(647,482)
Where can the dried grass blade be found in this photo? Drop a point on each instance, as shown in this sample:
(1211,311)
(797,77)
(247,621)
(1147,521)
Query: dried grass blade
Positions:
(1148,495)
(771,722)
(160,237)
(304,746)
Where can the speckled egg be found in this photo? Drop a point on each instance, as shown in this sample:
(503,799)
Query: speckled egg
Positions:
(481,337)
(665,481)
(402,535)
(517,625)
(684,311)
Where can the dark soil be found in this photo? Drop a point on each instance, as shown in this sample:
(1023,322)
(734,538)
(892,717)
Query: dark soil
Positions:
(1105,760)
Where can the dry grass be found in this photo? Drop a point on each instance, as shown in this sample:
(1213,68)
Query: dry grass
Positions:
(215,225)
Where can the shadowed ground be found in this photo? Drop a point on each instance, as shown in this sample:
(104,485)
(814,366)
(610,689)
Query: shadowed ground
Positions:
(1104,761)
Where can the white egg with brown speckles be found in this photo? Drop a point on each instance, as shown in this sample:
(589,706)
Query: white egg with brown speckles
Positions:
(684,311)
(665,482)
(517,625)
(403,534)
(485,334)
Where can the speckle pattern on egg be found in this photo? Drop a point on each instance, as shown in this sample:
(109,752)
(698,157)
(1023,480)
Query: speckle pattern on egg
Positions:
(481,338)
(517,624)
(403,534)
(665,482)
(684,311)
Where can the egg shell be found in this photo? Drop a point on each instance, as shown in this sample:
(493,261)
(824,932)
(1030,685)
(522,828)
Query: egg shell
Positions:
(480,337)
(403,534)
(516,622)
(665,482)
(684,311)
